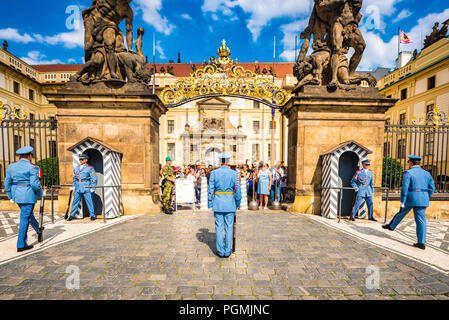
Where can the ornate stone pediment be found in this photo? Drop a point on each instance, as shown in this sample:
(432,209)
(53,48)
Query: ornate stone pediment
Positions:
(213,123)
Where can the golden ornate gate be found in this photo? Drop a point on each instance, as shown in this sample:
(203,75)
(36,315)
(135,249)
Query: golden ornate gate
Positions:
(224,77)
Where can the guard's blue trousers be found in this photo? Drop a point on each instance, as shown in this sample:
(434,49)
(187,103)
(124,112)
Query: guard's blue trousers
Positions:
(76,202)
(278,192)
(224,221)
(26,218)
(369,204)
(420,220)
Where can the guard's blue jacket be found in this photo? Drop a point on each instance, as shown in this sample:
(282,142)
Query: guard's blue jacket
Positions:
(84,176)
(363,179)
(22,182)
(226,180)
(417,187)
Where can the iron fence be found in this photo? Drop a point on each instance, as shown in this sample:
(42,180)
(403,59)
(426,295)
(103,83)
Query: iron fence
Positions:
(17,131)
(427,138)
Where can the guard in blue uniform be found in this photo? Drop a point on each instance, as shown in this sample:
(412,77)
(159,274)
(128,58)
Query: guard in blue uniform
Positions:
(23,187)
(417,188)
(83,176)
(224,198)
(363,184)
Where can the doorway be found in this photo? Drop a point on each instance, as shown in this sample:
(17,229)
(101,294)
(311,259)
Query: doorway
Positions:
(347,167)
(96,161)
(212,157)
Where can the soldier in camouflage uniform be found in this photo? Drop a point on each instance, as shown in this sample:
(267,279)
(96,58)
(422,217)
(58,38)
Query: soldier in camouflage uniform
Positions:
(168,184)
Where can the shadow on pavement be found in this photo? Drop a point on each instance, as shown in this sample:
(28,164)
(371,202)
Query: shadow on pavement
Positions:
(208,238)
(373,232)
(50,234)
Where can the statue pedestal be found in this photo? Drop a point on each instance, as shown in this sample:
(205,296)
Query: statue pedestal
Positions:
(318,121)
(126,117)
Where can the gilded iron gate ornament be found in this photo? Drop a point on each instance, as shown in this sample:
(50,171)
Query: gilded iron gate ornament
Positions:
(224,77)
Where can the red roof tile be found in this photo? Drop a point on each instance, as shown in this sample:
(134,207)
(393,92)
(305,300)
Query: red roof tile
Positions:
(58,67)
(179,69)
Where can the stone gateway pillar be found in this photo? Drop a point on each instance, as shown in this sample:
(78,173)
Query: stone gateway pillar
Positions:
(319,120)
(126,117)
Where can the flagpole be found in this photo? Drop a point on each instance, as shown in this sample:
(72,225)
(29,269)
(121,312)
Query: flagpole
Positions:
(154,62)
(296,48)
(399,41)
(272,111)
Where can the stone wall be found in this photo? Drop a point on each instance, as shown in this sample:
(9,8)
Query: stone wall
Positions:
(319,121)
(126,118)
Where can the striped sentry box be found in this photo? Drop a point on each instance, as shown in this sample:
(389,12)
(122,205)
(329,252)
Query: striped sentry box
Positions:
(244,202)
(111,174)
(330,178)
(204,196)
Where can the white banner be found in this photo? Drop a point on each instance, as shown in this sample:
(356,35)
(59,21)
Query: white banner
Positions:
(185,191)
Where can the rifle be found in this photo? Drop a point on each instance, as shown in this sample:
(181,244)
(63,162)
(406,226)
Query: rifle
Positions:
(40,235)
(68,205)
(233,233)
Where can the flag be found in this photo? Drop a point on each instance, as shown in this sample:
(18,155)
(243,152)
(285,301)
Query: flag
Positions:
(404,38)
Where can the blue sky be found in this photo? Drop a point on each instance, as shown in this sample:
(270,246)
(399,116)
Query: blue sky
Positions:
(37,31)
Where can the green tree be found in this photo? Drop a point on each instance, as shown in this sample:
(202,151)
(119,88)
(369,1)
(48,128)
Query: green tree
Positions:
(50,171)
(391,173)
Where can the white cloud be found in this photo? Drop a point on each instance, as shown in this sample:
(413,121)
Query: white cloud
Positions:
(261,12)
(150,10)
(186,16)
(375,11)
(70,40)
(35,58)
(402,15)
(290,31)
(378,52)
(160,50)
(384,53)
(11,34)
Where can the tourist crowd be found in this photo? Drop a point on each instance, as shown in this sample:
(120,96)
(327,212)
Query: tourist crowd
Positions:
(263,184)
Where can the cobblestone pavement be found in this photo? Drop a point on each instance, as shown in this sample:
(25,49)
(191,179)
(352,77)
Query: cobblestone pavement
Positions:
(9,222)
(278,256)
(437,232)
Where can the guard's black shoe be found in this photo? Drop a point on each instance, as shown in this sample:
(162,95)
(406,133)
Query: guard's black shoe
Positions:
(70,218)
(25,248)
(372,219)
(420,245)
(352,219)
(387,226)
(93,218)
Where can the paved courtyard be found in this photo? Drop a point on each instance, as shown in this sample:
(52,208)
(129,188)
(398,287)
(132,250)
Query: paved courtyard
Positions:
(437,232)
(279,256)
(9,222)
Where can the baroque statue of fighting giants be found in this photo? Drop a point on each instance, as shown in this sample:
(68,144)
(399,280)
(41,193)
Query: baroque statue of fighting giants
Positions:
(106,57)
(334,25)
